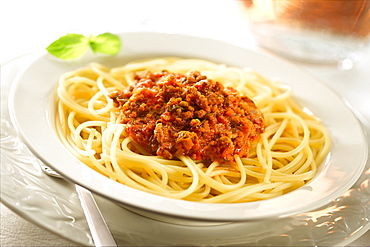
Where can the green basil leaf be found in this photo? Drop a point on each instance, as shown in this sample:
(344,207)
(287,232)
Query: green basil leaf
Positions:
(105,43)
(69,46)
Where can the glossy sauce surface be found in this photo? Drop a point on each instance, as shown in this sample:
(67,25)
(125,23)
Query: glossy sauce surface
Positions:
(172,114)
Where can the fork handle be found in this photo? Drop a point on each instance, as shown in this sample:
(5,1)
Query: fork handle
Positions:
(98,228)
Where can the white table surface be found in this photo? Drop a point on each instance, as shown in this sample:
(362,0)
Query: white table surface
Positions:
(27,26)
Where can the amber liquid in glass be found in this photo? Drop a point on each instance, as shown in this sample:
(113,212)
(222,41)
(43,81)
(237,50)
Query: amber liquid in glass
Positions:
(310,30)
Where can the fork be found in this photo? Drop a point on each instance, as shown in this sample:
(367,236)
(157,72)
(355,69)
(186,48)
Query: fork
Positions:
(99,230)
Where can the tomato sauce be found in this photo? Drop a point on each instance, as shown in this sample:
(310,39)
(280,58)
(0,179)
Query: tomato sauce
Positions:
(172,114)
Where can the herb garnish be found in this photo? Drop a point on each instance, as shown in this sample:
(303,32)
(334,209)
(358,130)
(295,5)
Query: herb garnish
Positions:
(73,45)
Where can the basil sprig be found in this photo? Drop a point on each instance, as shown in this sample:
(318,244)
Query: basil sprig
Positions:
(74,45)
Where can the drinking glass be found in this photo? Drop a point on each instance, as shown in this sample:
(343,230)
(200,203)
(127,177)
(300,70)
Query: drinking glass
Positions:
(314,31)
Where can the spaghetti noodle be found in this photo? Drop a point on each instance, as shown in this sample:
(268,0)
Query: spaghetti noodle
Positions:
(286,156)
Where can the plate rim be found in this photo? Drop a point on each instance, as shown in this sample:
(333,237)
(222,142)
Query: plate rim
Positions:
(186,204)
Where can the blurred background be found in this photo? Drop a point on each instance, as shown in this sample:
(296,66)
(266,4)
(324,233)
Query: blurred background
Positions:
(330,39)
(32,25)
(310,31)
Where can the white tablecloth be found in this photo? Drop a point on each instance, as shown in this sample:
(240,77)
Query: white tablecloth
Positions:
(31,25)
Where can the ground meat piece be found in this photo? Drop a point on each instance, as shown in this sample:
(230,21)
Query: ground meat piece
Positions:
(171,114)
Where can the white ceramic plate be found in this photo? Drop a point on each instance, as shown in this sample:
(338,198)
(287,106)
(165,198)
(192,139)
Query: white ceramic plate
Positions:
(53,204)
(32,112)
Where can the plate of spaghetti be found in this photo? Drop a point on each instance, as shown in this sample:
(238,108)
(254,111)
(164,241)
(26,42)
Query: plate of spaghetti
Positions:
(177,126)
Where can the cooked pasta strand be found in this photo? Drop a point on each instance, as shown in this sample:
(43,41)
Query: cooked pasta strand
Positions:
(286,156)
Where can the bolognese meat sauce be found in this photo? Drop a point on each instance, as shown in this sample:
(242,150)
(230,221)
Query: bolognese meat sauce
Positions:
(171,114)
